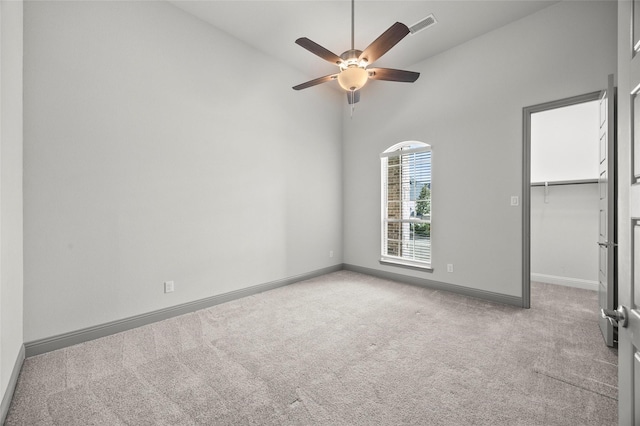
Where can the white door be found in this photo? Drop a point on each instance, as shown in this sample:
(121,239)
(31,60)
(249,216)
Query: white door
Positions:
(607,206)
(628,213)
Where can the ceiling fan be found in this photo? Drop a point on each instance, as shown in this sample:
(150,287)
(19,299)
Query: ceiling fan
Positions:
(353,63)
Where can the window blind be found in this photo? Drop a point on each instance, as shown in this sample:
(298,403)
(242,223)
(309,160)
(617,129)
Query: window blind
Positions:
(407,204)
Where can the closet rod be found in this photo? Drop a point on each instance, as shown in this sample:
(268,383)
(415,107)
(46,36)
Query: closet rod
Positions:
(565,182)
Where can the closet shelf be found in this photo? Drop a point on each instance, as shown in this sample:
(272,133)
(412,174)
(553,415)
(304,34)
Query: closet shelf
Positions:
(565,182)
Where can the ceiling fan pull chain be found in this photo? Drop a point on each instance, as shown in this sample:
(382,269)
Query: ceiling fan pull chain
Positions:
(353,104)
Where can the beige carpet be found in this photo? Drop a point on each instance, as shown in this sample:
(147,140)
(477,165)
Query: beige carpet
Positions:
(341,349)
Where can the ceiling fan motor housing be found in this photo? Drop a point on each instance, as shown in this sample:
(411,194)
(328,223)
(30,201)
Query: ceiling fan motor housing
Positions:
(350,57)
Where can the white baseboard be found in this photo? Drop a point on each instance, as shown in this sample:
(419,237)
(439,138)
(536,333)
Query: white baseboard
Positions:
(565,281)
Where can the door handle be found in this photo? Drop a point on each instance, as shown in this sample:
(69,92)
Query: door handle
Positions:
(617,318)
(608,244)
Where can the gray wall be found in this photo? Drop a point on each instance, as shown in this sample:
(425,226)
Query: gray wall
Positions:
(11,276)
(468,105)
(158,148)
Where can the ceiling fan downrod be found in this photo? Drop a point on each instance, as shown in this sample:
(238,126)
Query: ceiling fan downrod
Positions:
(353,24)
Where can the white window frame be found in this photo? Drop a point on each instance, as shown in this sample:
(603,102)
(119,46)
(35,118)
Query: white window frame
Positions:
(398,150)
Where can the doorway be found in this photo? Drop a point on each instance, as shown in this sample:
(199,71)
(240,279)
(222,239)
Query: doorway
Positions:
(561,193)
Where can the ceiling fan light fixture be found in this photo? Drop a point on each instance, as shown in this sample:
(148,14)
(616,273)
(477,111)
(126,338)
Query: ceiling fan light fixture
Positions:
(353,78)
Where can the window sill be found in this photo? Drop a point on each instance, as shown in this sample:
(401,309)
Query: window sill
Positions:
(406,264)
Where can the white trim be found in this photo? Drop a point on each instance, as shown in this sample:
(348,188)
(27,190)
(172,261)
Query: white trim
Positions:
(565,281)
(399,152)
(383,206)
(405,262)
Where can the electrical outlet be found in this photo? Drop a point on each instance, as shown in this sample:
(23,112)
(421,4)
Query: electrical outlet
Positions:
(168,286)
(330,253)
(449,267)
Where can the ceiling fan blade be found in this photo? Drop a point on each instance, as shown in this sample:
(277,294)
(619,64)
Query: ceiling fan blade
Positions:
(389,74)
(386,41)
(353,97)
(316,49)
(315,82)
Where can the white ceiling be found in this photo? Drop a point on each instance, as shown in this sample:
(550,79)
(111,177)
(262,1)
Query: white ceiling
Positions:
(273,26)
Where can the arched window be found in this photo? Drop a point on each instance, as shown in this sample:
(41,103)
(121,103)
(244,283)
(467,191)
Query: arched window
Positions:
(406,204)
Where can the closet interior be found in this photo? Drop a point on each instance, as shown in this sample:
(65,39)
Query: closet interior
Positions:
(564,195)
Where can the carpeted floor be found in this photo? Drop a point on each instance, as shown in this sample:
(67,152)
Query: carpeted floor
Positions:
(341,349)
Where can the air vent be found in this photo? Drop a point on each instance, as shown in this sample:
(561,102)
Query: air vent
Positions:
(423,24)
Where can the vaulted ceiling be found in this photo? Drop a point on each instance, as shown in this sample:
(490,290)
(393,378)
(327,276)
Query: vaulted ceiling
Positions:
(273,26)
